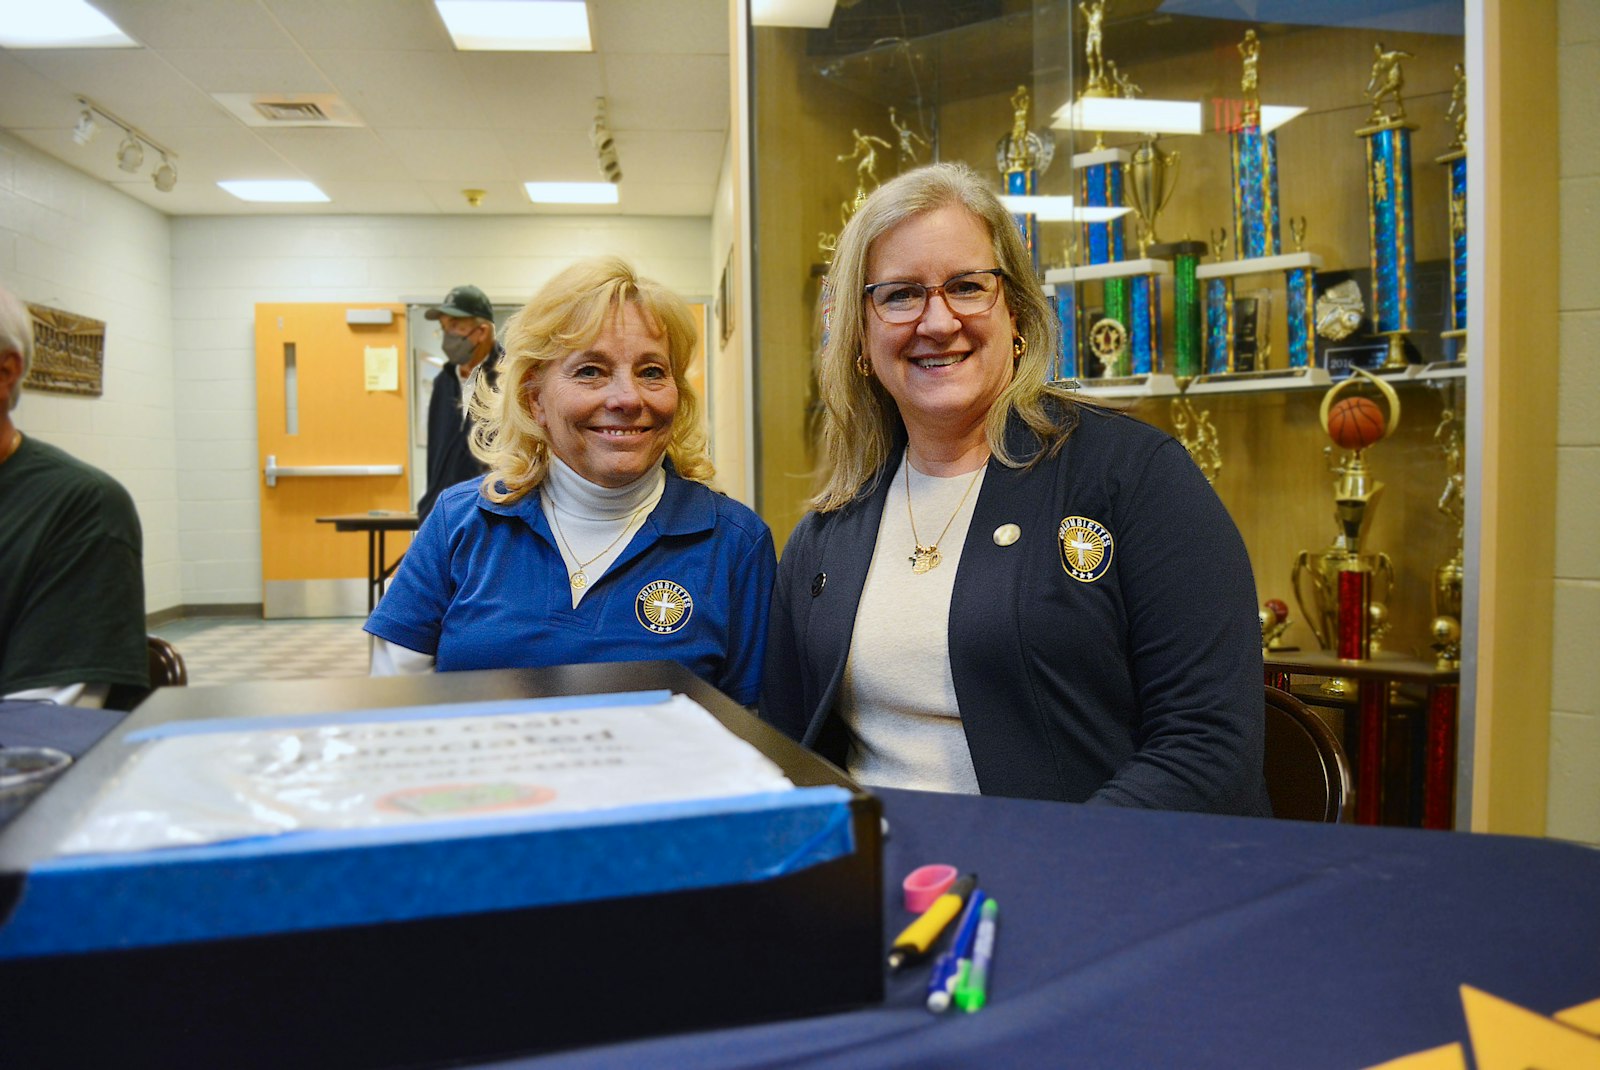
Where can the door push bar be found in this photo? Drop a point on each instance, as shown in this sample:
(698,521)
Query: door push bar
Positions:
(274,471)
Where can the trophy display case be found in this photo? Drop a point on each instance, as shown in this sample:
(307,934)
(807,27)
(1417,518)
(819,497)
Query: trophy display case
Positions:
(1234,218)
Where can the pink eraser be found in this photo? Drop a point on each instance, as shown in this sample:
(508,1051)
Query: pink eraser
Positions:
(925,884)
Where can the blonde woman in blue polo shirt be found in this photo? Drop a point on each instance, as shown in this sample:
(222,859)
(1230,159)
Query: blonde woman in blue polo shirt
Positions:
(594,537)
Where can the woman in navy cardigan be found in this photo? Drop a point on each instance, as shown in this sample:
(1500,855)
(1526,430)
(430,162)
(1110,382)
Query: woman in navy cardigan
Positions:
(1001,589)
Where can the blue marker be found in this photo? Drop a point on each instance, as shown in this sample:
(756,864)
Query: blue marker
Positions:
(947,967)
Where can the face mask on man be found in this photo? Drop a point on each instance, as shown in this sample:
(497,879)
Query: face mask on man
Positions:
(459,347)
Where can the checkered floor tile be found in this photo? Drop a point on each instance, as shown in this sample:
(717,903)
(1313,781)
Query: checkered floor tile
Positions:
(229,650)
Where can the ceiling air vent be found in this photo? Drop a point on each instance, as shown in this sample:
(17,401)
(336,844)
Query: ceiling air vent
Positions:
(288,109)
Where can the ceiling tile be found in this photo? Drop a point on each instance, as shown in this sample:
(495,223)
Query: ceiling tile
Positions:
(551,157)
(499,198)
(363,24)
(471,158)
(667,92)
(137,84)
(368,197)
(196,23)
(668,200)
(336,153)
(410,90)
(277,70)
(28,98)
(671,156)
(534,91)
(675,27)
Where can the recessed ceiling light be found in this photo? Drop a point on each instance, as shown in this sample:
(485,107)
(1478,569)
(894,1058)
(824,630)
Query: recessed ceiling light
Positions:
(1275,115)
(1056,209)
(275,190)
(571,192)
(1137,115)
(517,25)
(810,14)
(58,24)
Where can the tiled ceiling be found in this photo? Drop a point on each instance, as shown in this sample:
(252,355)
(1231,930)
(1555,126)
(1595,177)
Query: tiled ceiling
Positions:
(435,121)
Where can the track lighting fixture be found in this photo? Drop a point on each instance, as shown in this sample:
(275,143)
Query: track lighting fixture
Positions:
(86,127)
(130,154)
(165,176)
(605,143)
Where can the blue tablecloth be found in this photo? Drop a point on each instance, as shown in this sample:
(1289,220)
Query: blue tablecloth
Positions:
(1154,939)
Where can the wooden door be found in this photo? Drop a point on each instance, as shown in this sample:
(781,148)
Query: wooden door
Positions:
(323,401)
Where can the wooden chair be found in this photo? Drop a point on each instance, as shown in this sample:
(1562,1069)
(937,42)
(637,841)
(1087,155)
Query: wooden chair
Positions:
(1308,773)
(166,664)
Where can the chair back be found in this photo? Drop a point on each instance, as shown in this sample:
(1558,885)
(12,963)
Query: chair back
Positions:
(166,664)
(1307,770)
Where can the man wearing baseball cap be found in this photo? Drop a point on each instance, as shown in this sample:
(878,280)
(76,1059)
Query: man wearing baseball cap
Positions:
(467,320)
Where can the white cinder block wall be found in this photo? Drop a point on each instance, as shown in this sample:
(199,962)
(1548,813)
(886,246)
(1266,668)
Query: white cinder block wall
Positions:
(223,265)
(73,243)
(1574,800)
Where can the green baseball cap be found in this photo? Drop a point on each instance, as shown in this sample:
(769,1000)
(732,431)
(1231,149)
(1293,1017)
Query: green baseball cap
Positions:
(464,302)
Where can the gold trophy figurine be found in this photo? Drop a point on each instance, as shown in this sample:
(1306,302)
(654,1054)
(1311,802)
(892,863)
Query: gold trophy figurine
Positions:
(1250,52)
(1297,232)
(1152,176)
(908,138)
(1457,111)
(1388,79)
(1094,14)
(866,153)
(1203,445)
(1345,581)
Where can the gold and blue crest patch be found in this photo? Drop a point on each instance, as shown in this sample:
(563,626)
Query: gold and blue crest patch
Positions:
(663,606)
(1086,548)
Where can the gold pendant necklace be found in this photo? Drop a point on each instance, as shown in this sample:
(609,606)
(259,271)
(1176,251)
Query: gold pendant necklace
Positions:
(927,558)
(579,578)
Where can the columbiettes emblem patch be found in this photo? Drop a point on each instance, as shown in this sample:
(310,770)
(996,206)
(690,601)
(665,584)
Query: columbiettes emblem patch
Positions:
(663,606)
(1086,547)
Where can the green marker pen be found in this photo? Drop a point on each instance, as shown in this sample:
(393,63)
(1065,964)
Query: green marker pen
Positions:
(972,989)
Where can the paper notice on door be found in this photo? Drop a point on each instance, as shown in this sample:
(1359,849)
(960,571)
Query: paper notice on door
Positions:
(383,368)
(396,767)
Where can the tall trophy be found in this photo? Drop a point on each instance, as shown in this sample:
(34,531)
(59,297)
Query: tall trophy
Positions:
(1343,581)
(1257,250)
(1388,138)
(1454,161)
(1022,156)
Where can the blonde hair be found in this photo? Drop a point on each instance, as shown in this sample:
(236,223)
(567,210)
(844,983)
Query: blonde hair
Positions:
(860,420)
(568,313)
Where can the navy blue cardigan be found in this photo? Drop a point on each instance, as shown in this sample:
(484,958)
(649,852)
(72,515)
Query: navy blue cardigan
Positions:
(1136,682)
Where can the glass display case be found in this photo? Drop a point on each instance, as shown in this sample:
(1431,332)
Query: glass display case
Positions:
(1234,217)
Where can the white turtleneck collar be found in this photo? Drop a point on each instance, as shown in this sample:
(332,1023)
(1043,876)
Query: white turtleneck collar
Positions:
(595,520)
(577,497)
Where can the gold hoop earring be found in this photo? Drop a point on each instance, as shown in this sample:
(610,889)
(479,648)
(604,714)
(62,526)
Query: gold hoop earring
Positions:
(863,365)
(1019,347)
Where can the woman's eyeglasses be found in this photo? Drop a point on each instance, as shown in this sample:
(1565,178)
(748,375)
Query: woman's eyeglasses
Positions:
(969,294)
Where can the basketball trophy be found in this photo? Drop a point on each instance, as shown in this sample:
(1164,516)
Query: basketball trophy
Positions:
(1449,577)
(1344,581)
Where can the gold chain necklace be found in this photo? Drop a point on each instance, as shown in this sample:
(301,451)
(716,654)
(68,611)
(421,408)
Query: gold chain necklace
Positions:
(926,558)
(579,578)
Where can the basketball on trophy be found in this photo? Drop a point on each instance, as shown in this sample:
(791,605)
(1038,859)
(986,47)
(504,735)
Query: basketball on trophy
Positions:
(1355,423)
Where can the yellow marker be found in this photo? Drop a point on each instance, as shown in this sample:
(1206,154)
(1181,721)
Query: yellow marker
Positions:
(920,935)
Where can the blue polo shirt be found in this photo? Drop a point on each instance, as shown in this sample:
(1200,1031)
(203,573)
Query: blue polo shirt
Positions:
(483,586)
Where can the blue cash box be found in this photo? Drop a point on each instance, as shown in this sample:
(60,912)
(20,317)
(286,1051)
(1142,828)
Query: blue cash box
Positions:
(448,940)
